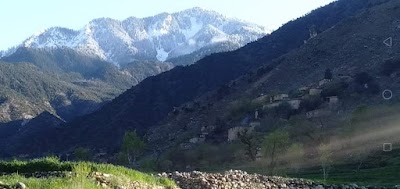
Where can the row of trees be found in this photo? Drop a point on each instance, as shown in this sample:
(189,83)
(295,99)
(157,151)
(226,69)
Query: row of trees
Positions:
(277,148)
(285,147)
(302,143)
(132,147)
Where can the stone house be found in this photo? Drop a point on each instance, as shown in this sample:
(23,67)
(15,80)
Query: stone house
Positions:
(317,113)
(324,82)
(254,124)
(233,133)
(332,100)
(261,99)
(295,104)
(272,105)
(304,89)
(344,77)
(279,97)
(315,92)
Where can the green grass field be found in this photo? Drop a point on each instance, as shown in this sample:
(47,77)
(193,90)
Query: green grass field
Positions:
(380,169)
(15,170)
(385,176)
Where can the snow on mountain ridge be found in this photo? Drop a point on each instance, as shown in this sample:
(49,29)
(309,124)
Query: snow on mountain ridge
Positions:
(160,37)
(195,27)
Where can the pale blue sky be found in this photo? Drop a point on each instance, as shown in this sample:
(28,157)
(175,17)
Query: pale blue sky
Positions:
(19,19)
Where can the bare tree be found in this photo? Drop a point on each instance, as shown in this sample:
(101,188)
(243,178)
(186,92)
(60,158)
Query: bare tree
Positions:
(325,157)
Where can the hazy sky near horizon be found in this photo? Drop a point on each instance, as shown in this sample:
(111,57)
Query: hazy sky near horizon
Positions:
(20,19)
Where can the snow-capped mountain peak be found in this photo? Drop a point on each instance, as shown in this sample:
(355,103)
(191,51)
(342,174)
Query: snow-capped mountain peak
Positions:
(160,37)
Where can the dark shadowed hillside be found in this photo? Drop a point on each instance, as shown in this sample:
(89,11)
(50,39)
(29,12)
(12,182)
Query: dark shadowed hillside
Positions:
(330,91)
(149,102)
(34,134)
(358,63)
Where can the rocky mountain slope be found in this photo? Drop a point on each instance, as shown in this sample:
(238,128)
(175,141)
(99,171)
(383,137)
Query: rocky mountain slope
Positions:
(350,112)
(66,60)
(63,82)
(134,45)
(149,102)
(159,37)
(352,50)
(27,91)
(317,101)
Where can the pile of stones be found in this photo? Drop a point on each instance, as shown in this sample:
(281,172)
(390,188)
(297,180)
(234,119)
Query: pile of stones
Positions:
(18,185)
(236,179)
(109,181)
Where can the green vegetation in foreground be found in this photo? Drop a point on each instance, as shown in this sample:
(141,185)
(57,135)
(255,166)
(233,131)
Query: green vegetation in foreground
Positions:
(16,169)
(385,176)
(380,170)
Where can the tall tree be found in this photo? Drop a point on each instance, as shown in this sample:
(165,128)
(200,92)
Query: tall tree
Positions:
(328,74)
(325,157)
(273,144)
(296,156)
(132,146)
(251,143)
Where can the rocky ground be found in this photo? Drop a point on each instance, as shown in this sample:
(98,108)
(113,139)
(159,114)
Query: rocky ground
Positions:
(18,185)
(235,179)
(108,181)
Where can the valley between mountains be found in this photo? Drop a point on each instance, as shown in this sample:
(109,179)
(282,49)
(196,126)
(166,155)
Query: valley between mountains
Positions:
(207,101)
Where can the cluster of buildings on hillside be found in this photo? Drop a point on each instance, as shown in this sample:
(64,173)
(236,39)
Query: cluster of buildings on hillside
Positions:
(273,101)
(252,120)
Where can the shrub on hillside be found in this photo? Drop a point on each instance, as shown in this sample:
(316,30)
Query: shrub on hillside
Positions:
(203,156)
(82,154)
(310,103)
(284,110)
(389,67)
(221,127)
(328,74)
(223,91)
(374,88)
(165,165)
(364,83)
(121,159)
(334,89)
(240,107)
(148,164)
(38,165)
(362,78)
